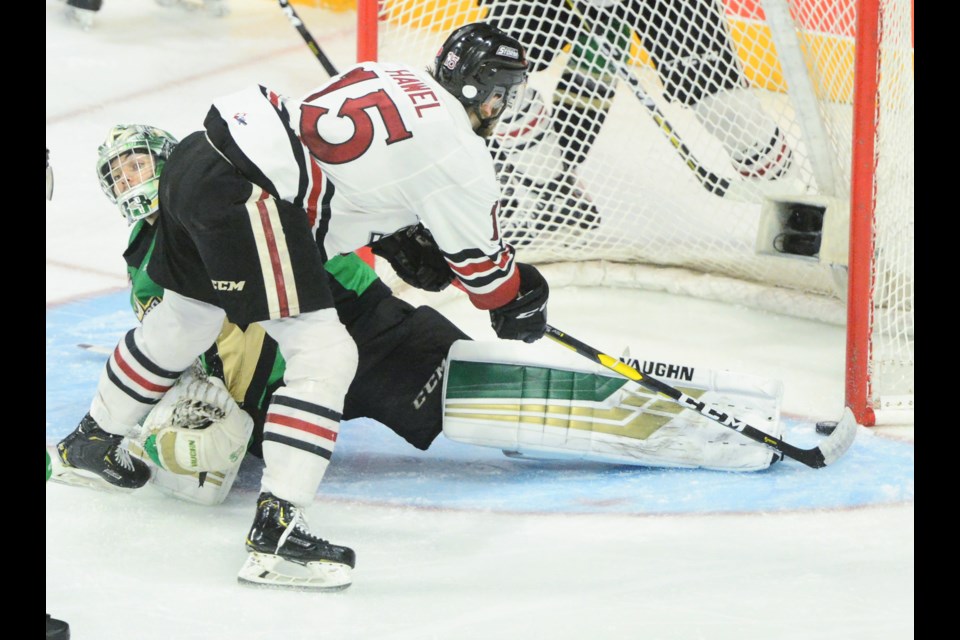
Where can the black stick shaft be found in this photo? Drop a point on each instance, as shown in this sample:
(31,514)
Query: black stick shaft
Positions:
(305,34)
(839,442)
(710,181)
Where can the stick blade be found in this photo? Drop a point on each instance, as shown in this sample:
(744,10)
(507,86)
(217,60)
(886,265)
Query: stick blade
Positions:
(95,348)
(841,439)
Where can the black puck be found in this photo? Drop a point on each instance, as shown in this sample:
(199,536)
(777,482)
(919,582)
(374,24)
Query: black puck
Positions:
(826,427)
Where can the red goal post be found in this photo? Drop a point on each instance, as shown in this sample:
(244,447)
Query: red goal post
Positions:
(836,78)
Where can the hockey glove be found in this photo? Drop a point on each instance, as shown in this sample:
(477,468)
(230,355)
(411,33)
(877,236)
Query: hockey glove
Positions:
(415,256)
(197,426)
(525,317)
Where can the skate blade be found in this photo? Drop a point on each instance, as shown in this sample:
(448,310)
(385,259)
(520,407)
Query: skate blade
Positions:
(754,191)
(79,478)
(272,571)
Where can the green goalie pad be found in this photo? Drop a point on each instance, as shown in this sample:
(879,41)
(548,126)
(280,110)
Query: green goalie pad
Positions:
(538,401)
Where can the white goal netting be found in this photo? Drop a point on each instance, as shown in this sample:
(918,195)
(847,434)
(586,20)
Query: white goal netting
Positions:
(638,109)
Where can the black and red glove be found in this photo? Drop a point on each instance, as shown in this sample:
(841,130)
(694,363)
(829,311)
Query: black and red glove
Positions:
(524,317)
(415,256)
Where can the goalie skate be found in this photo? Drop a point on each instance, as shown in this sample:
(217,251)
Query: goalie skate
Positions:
(284,554)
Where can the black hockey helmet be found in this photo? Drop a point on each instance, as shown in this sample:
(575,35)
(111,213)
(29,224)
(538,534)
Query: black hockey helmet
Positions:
(480,64)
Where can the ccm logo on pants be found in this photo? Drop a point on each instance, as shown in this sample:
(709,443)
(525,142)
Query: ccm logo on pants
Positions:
(228,285)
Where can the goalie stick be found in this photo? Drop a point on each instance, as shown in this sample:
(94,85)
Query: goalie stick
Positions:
(715,184)
(825,453)
(302,29)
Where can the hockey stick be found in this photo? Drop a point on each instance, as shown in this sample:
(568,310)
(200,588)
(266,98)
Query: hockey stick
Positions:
(831,448)
(364,253)
(715,184)
(314,47)
(95,348)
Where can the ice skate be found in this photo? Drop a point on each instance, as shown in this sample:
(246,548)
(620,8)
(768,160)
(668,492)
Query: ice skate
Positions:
(539,189)
(81,12)
(529,208)
(759,151)
(283,552)
(57,629)
(770,168)
(91,457)
(216,8)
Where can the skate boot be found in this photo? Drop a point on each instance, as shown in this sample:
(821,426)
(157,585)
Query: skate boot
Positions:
(283,552)
(529,208)
(57,629)
(92,457)
(216,8)
(82,12)
(539,188)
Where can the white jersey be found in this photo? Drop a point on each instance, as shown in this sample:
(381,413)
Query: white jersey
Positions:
(378,148)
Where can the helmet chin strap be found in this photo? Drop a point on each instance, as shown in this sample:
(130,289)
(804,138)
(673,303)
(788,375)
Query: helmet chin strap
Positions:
(485,130)
(483,127)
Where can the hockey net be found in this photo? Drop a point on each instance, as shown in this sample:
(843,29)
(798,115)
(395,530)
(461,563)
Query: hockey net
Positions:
(637,211)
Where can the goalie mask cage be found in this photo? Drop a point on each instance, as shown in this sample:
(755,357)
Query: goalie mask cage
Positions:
(836,77)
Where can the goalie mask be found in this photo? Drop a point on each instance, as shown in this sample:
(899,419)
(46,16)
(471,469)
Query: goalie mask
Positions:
(129,165)
(485,69)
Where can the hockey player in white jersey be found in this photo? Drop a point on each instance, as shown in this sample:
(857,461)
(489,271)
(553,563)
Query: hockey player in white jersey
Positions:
(395,148)
(252,206)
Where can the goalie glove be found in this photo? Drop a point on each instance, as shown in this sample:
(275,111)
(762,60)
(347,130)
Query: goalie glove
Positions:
(197,426)
(525,317)
(415,256)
